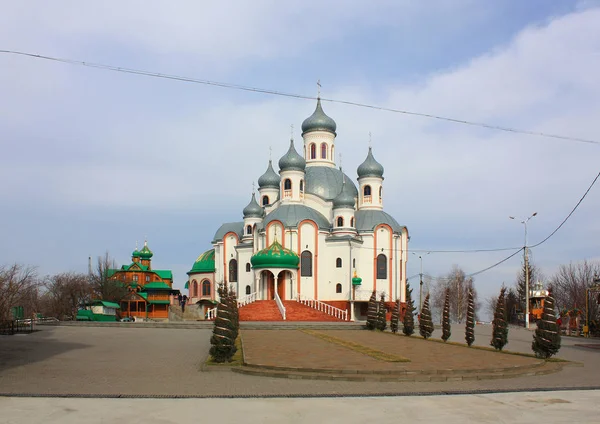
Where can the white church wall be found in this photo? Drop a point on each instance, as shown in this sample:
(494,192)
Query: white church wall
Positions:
(307,233)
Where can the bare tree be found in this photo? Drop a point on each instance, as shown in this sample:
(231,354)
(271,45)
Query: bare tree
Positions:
(103,286)
(18,287)
(458,284)
(66,293)
(569,283)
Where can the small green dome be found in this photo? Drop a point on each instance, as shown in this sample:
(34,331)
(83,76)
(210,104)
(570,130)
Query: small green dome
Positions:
(356,280)
(270,179)
(136,253)
(318,121)
(146,253)
(292,161)
(370,167)
(204,263)
(253,210)
(275,256)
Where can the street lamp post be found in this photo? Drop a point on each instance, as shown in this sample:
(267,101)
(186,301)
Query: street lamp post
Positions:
(524,222)
(421,280)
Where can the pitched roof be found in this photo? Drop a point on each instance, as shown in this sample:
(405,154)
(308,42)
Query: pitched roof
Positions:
(165,274)
(156,285)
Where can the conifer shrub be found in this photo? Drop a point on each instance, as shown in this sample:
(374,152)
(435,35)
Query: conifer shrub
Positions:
(470,328)
(546,339)
(426,323)
(372,312)
(395,317)
(381,319)
(408,321)
(500,326)
(446,317)
(222,341)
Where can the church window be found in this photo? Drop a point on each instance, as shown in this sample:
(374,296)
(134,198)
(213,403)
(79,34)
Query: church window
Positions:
(340,221)
(135,278)
(313,151)
(287,184)
(233,271)
(367,190)
(323,151)
(380,193)
(306,264)
(301,186)
(248,289)
(147,278)
(265,200)
(249,229)
(332,155)
(338,263)
(338,288)
(381,267)
(354,263)
(205,288)
(352,222)
(248,267)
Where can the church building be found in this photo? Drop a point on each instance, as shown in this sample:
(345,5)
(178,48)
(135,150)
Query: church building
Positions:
(311,235)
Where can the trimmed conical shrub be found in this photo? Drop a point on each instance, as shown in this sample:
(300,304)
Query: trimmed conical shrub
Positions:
(500,326)
(395,317)
(546,340)
(222,341)
(446,318)
(381,319)
(408,321)
(470,328)
(372,312)
(426,324)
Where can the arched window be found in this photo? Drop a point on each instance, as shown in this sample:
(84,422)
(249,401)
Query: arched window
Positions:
(248,289)
(340,221)
(265,200)
(249,229)
(323,150)
(354,263)
(381,267)
(306,264)
(367,190)
(313,151)
(332,155)
(380,193)
(194,289)
(301,186)
(338,288)
(352,222)
(338,263)
(206,288)
(233,271)
(287,184)
(248,267)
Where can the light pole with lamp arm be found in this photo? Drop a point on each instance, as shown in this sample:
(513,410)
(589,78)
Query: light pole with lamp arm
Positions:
(421,280)
(524,222)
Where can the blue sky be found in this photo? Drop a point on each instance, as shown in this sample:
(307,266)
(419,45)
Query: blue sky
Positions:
(94,160)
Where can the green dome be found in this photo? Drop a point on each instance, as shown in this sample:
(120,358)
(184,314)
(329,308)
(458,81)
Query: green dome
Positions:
(292,160)
(318,121)
(275,256)
(204,263)
(370,167)
(146,253)
(136,253)
(356,280)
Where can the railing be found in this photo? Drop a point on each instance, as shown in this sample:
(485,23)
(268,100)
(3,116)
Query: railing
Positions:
(323,307)
(367,198)
(287,193)
(211,314)
(246,300)
(280,305)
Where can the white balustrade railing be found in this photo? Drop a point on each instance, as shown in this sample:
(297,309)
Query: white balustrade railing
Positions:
(323,307)
(211,313)
(247,299)
(280,305)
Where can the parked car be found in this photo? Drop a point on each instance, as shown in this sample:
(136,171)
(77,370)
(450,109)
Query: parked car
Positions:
(127,319)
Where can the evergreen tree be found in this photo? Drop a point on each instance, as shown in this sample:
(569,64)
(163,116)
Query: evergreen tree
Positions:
(372,312)
(500,326)
(426,324)
(446,318)
(546,340)
(222,341)
(235,318)
(408,322)
(395,317)
(470,328)
(381,319)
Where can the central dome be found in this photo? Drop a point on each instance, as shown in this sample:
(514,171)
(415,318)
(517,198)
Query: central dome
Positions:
(318,121)
(275,256)
(326,182)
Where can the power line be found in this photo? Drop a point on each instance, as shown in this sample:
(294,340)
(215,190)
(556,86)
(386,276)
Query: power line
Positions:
(298,96)
(570,213)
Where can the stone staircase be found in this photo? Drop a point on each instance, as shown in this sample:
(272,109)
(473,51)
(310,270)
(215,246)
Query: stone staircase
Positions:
(266,310)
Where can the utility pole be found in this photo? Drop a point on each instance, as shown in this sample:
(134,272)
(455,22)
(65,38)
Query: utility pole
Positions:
(526,261)
(421,280)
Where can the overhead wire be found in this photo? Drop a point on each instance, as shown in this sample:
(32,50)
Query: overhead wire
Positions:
(298,96)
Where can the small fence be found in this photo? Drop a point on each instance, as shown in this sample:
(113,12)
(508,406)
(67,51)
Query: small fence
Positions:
(8,328)
(324,307)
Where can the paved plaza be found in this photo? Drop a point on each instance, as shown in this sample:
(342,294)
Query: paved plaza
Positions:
(162,361)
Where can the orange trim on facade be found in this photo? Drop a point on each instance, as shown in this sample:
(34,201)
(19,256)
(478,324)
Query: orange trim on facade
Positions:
(375,251)
(267,232)
(316,255)
(225,269)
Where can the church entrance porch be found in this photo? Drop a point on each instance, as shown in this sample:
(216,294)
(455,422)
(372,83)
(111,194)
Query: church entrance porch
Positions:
(273,281)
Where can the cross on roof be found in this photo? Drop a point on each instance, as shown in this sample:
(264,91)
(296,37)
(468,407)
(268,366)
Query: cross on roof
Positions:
(319,88)
(292,131)
(370,142)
